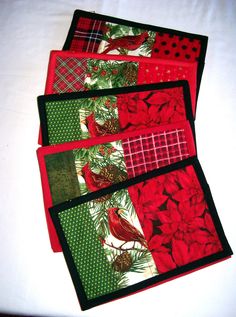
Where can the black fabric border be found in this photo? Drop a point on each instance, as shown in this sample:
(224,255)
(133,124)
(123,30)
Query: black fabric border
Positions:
(202,38)
(42,100)
(43,119)
(84,302)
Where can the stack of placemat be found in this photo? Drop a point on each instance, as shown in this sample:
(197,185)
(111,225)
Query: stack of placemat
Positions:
(125,197)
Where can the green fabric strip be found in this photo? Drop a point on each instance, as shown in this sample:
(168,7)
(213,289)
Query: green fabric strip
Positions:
(94,270)
(62,176)
(63,121)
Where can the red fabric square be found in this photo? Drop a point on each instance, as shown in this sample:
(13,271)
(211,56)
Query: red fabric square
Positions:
(88,35)
(69,74)
(152,108)
(176,47)
(151,151)
(175,219)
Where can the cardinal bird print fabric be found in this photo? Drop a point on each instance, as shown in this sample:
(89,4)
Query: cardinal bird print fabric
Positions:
(122,238)
(121,39)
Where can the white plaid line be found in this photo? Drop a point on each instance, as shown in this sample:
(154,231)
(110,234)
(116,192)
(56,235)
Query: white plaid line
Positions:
(158,148)
(155,135)
(90,36)
(177,134)
(131,161)
(93,36)
(153,142)
(168,157)
(141,144)
(100,22)
(164,159)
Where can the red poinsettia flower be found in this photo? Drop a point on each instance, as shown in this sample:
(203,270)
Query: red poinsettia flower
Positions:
(147,197)
(146,109)
(175,219)
(161,255)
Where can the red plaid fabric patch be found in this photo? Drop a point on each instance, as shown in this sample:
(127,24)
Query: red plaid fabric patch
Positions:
(151,151)
(88,35)
(69,74)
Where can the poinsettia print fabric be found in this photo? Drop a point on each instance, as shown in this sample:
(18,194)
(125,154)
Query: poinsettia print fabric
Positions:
(149,109)
(175,219)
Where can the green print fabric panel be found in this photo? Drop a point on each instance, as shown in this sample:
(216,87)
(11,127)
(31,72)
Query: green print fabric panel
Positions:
(77,172)
(62,176)
(76,119)
(96,274)
(103,74)
(62,121)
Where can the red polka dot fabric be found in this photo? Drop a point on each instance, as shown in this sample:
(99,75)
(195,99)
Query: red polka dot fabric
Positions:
(176,47)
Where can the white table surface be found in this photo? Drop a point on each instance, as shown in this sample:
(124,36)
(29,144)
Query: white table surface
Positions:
(34,280)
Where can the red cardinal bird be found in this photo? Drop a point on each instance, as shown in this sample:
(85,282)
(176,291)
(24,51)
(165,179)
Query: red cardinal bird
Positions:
(95,129)
(121,229)
(129,42)
(94,181)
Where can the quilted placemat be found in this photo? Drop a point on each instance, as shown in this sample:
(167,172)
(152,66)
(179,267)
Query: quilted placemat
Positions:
(96,33)
(72,71)
(73,169)
(139,233)
(74,116)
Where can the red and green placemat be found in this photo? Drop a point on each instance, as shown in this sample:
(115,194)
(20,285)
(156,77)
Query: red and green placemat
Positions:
(73,71)
(76,168)
(96,33)
(81,115)
(139,233)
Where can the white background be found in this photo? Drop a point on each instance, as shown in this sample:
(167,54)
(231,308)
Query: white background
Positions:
(34,280)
